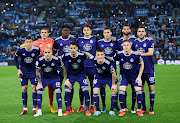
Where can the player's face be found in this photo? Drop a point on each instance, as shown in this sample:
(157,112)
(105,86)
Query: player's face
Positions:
(141,33)
(73,49)
(47,53)
(126,46)
(28,43)
(44,33)
(100,56)
(87,31)
(107,33)
(65,32)
(126,30)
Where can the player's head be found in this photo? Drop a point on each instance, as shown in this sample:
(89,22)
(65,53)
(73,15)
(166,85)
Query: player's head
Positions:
(87,30)
(141,32)
(47,53)
(126,30)
(100,55)
(28,42)
(107,33)
(126,45)
(44,33)
(65,31)
(73,46)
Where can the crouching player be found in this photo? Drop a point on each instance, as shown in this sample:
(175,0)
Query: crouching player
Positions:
(76,72)
(131,73)
(48,65)
(28,54)
(105,75)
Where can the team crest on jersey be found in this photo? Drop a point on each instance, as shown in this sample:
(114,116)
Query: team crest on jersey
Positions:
(79,60)
(91,41)
(48,69)
(141,50)
(32,54)
(144,45)
(102,45)
(87,47)
(127,65)
(75,66)
(61,44)
(103,68)
(24,54)
(28,59)
(111,44)
(108,50)
(131,60)
(66,48)
(99,70)
(52,64)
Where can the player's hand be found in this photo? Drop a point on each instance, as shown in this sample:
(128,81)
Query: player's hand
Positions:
(139,81)
(19,73)
(39,86)
(113,39)
(114,88)
(66,82)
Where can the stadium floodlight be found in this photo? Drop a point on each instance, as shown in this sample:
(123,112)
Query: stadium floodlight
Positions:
(12,5)
(6,4)
(4,10)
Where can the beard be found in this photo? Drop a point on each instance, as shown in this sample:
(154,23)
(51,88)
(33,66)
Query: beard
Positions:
(128,33)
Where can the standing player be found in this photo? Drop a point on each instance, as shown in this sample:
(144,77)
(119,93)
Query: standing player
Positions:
(126,36)
(129,65)
(42,43)
(109,48)
(105,74)
(28,54)
(76,72)
(48,65)
(145,47)
(61,44)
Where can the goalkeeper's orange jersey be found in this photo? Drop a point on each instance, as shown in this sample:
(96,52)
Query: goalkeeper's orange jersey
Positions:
(42,44)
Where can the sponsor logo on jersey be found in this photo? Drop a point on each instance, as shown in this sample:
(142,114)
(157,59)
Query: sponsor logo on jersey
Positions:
(75,66)
(48,69)
(66,48)
(28,59)
(127,65)
(87,47)
(141,50)
(108,50)
(99,70)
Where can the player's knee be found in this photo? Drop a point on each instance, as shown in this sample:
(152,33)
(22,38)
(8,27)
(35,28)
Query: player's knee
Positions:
(24,88)
(33,87)
(151,87)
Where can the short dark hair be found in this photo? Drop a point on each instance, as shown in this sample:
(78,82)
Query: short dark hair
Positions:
(126,41)
(100,50)
(126,25)
(44,28)
(73,43)
(65,26)
(142,27)
(87,25)
(106,28)
(29,38)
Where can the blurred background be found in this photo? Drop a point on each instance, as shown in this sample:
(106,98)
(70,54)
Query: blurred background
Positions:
(20,18)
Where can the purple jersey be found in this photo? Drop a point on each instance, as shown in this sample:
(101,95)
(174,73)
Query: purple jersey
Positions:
(109,47)
(105,69)
(143,47)
(120,43)
(28,60)
(62,45)
(129,64)
(49,68)
(88,45)
(75,64)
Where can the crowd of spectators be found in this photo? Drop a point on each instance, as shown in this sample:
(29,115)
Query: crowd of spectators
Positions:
(27,17)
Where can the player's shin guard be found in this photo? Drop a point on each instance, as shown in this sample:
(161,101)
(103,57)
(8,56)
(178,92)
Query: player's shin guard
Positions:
(59,99)
(139,99)
(152,97)
(50,93)
(24,99)
(34,97)
(143,99)
(133,97)
(122,99)
(103,94)
(96,101)
(86,95)
(81,96)
(39,99)
(113,101)
(71,95)
(67,98)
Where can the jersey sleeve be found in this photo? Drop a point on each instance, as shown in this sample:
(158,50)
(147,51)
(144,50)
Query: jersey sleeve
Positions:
(38,64)
(60,63)
(111,68)
(17,54)
(151,44)
(140,59)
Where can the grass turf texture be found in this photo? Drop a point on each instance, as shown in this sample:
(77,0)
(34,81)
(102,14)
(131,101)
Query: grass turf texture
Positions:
(167,103)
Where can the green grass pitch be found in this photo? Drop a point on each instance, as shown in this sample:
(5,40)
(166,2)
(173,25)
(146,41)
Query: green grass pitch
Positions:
(167,101)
